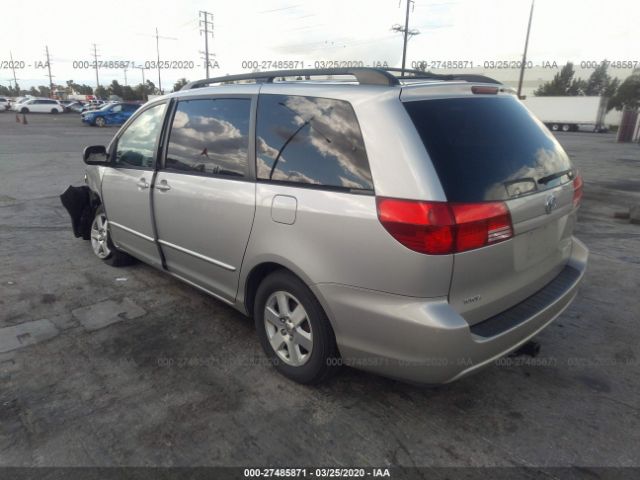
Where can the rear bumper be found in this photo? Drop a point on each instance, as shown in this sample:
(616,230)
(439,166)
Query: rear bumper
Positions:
(426,341)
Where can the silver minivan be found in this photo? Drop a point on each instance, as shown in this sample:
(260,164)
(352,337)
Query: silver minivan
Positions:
(418,225)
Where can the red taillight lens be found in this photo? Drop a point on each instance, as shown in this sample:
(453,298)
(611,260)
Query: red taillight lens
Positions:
(426,227)
(577,190)
(480,224)
(439,228)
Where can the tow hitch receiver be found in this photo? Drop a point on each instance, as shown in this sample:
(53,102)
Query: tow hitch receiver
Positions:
(529,349)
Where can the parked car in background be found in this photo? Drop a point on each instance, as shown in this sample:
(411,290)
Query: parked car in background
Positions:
(110,114)
(66,104)
(5,104)
(39,105)
(22,99)
(93,105)
(75,107)
(417,227)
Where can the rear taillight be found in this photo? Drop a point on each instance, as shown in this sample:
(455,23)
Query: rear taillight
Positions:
(440,228)
(577,190)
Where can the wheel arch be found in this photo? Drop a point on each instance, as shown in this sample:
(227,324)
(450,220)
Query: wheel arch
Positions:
(260,270)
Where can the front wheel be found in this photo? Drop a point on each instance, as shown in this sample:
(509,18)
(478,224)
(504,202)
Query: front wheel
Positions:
(24,110)
(100,122)
(101,243)
(294,331)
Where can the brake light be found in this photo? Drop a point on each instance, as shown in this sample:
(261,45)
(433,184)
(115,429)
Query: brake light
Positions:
(577,190)
(482,90)
(440,228)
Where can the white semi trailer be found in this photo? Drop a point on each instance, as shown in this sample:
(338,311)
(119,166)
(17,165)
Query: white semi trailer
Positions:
(570,114)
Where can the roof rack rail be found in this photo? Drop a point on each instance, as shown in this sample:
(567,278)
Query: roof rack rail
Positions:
(417,74)
(364,76)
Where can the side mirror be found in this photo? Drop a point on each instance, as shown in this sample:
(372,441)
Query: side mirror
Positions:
(96,155)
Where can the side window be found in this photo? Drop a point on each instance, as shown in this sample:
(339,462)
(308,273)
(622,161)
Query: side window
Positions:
(136,146)
(310,140)
(210,136)
(116,109)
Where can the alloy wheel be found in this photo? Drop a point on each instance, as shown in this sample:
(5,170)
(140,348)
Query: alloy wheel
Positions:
(288,328)
(99,236)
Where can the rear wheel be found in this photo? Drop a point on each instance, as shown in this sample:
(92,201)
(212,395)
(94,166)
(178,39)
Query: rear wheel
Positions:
(54,110)
(566,128)
(294,331)
(24,110)
(100,122)
(101,243)
(555,127)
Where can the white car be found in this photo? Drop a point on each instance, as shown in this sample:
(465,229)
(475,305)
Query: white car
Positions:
(4,104)
(39,105)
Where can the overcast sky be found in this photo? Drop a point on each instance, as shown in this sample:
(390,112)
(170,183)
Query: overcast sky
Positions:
(306,30)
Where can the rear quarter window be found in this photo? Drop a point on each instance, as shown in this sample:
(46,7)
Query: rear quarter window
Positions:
(488,148)
(310,141)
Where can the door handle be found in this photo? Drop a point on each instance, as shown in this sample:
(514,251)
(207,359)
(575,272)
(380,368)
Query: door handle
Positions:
(163,186)
(142,184)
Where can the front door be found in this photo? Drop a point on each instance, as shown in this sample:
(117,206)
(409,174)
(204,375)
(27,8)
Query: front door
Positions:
(126,186)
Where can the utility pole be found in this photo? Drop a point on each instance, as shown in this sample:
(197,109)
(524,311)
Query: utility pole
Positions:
(125,76)
(49,68)
(95,61)
(158,37)
(144,83)
(524,54)
(13,67)
(406,37)
(204,20)
(158,52)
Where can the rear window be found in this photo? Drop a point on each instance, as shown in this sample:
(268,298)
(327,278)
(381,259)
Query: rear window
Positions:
(488,148)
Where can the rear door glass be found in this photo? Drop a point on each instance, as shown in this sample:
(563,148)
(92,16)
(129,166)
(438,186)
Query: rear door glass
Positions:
(210,137)
(487,149)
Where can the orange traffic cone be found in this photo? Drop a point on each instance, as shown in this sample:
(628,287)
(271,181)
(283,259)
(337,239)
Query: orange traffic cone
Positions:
(24,119)
(18,119)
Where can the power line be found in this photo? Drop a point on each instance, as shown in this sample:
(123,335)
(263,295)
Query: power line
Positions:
(204,20)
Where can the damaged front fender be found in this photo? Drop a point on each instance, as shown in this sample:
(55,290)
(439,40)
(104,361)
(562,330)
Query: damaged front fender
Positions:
(79,203)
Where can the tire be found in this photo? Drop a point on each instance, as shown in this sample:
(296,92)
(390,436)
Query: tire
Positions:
(101,243)
(555,127)
(54,111)
(100,122)
(24,110)
(566,128)
(307,353)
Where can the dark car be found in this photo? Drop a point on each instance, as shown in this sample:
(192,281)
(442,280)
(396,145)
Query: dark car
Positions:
(110,114)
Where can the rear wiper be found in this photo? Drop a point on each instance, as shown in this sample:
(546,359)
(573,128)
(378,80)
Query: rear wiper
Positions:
(553,176)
